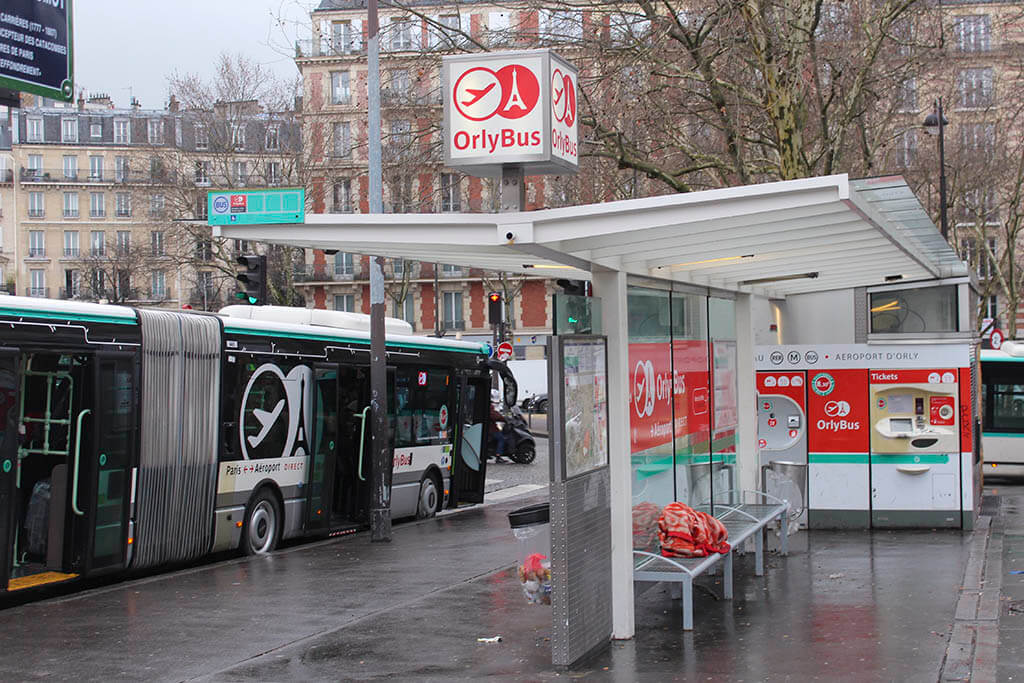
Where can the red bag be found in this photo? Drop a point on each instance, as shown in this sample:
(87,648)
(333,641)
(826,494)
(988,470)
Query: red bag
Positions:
(685,532)
(645,526)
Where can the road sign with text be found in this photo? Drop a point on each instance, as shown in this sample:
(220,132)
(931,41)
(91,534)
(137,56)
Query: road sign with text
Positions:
(256,207)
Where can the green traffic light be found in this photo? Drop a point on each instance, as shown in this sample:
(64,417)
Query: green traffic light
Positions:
(573,320)
(253,300)
(241,295)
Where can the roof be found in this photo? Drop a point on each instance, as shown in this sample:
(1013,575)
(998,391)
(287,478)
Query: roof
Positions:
(775,239)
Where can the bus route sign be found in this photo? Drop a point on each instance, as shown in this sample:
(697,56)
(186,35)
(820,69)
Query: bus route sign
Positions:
(256,207)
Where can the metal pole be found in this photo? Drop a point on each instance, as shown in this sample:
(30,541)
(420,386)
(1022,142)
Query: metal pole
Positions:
(380,505)
(942,174)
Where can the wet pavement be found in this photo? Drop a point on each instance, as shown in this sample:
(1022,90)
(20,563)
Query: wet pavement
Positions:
(844,606)
(1006,502)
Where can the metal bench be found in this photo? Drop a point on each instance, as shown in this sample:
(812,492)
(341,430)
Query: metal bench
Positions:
(742,520)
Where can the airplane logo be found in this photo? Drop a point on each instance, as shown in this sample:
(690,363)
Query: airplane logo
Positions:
(477,94)
(266,420)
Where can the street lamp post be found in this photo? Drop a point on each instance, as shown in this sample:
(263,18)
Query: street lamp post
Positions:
(935,124)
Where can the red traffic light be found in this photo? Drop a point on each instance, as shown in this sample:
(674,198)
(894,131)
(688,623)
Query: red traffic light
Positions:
(495,297)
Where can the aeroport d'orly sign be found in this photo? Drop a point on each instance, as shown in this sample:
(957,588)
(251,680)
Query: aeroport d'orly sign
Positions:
(510,108)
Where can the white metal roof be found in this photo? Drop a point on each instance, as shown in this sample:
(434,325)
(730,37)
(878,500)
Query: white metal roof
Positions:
(765,238)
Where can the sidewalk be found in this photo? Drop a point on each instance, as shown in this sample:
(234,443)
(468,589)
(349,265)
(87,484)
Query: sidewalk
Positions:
(848,606)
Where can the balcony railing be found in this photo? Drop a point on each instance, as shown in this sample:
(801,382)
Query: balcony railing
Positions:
(454,325)
(324,48)
(41,292)
(71,252)
(119,176)
(36,213)
(73,293)
(70,213)
(205,296)
(97,213)
(325,273)
(37,252)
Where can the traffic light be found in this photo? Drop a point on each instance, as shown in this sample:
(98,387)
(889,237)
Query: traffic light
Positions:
(253,278)
(573,287)
(494,312)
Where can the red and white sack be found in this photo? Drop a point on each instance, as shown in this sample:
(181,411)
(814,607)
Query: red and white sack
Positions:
(685,532)
(645,526)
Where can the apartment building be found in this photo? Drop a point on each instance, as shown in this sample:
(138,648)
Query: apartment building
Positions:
(110,203)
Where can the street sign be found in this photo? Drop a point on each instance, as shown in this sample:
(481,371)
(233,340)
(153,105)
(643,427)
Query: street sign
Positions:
(510,108)
(256,207)
(504,351)
(996,339)
(36,48)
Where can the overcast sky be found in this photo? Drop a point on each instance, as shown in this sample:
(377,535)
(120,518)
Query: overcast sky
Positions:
(122,44)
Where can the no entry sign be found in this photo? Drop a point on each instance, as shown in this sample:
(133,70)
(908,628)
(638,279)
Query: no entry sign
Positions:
(504,351)
(510,108)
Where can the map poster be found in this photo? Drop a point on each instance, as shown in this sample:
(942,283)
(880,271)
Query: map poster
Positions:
(585,373)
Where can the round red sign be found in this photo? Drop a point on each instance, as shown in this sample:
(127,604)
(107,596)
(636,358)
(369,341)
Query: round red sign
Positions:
(504,351)
(511,92)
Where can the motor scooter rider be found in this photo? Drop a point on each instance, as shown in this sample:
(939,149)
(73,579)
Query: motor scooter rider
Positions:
(497,434)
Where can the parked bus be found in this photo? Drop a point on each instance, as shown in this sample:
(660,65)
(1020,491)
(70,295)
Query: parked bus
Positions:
(135,438)
(1002,382)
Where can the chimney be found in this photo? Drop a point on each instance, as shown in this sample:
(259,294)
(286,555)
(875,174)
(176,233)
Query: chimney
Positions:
(298,104)
(81,100)
(135,103)
(172,104)
(100,99)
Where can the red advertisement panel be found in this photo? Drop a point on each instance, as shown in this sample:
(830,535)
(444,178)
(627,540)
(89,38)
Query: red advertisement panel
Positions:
(917,376)
(693,396)
(654,390)
(966,411)
(838,411)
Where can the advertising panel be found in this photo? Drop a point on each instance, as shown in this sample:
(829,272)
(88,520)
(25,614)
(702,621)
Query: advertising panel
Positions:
(655,390)
(837,412)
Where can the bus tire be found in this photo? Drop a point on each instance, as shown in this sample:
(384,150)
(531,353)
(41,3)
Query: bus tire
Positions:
(430,496)
(262,528)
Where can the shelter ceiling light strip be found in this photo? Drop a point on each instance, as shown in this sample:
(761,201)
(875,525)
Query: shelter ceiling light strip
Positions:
(709,260)
(548,265)
(779,278)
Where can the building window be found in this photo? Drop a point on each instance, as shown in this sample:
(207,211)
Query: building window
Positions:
(973,33)
(398,266)
(401,33)
(70,166)
(69,130)
(341,88)
(907,96)
(238,135)
(70,205)
(202,137)
(450,192)
(156,240)
(177,132)
(449,270)
(978,137)
(201,208)
(400,83)
(95,168)
(562,25)
(96,129)
(156,204)
(97,205)
(405,310)
(907,151)
(975,88)
(122,132)
(991,307)
(204,249)
(36,208)
(71,244)
(36,244)
(34,129)
(72,283)
(242,247)
(452,311)
(121,169)
(159,284)
(447,33)
(124,242)
(202,173)
(905,310)
(156,131)
(123,205)
(401,194)
(37,276)
(978,206)
(97,243)
(35,165)
(342,196)
(342,138)
(272,139)
(343,264)
(240,172)
(986,266)
(401,134)
(273,172)
(156,170)
(345,302)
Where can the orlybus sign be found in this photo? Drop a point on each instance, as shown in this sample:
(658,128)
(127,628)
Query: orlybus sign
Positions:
(510,108)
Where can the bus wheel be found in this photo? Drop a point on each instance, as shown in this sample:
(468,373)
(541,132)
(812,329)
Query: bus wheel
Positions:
(430,497)
(262,522)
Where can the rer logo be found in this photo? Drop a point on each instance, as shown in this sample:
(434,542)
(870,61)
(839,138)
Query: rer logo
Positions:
(823,384)
(511,92)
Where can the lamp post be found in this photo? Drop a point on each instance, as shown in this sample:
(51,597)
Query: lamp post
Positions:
(935,124)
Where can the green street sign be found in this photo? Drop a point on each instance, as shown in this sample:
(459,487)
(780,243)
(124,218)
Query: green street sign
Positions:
(256,207)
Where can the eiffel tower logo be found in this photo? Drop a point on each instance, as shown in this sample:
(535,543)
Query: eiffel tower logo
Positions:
(514,98)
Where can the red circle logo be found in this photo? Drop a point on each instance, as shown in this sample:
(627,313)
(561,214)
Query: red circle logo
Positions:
(563,98)
(511,92)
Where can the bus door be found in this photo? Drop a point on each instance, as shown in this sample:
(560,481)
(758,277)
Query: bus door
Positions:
(320,485)
(469,465)
(352,477)
(9,385)
(105,454)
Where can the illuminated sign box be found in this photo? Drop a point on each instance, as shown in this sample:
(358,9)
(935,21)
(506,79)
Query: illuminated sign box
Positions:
(510,108)
(256,207)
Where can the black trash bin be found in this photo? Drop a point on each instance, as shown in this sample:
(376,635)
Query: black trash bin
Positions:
(532,528)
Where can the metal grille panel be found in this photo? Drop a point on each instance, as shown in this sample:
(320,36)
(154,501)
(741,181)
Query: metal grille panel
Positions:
(581,547)
(178,460)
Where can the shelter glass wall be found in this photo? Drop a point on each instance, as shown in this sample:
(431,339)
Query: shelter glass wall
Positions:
(682,359)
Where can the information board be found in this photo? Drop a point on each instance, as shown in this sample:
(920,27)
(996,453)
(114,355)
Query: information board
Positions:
(585,396)
(36,47)
(256,207)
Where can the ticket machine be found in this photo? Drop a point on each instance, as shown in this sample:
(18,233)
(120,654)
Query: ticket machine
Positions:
(915,448)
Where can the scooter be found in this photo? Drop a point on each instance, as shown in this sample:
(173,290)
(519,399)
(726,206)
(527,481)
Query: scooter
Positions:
(520,446)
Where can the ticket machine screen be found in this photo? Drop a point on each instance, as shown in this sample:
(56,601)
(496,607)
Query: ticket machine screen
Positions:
(901,425)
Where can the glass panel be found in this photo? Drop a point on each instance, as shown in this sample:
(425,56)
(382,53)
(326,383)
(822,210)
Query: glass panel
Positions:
(691,398)
(725,413)
(325,435)
(116,423)
(907,311)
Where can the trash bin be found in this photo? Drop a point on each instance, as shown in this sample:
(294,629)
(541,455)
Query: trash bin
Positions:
(532,528)
(787,480)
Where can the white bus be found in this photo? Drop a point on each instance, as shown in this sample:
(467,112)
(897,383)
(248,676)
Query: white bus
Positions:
(1002,426)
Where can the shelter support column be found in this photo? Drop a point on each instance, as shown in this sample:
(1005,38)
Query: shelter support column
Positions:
(747,456)
(610,286)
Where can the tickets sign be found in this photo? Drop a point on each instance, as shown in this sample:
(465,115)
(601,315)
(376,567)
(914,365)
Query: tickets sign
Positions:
(510,108)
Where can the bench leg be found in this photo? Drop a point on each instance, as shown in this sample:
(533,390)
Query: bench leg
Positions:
(675,591)
(759,552)
(687,603)
(784,539)
(727,576)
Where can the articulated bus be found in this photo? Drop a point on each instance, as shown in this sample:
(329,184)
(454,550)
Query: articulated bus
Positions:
(135,438)
(1002,426)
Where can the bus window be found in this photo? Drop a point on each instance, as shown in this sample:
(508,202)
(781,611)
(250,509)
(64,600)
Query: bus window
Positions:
(421,397)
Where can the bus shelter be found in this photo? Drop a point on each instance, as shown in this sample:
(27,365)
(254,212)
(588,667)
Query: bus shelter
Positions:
(688,285)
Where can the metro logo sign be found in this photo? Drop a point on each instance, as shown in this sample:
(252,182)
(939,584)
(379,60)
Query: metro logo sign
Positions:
(510,108)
